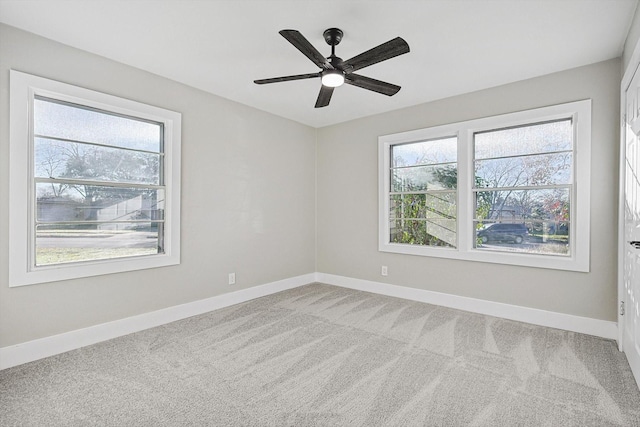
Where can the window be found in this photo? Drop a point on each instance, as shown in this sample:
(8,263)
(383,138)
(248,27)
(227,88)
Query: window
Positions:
(94,183)
(522,188)
(423,193)
(511,189)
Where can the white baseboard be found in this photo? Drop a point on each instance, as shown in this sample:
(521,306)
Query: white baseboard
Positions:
(56,344)
(584,325)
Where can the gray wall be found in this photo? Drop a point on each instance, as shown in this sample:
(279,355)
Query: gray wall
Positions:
(347,199)
(248,198)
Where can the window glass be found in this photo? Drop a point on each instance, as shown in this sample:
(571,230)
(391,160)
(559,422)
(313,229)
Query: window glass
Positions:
(98,185)
(64,120)
(82,203)
(425,152)
(423,198)
(523,140)
(63,243)
(532,170)
(417,178)
(72,160)
(535,220)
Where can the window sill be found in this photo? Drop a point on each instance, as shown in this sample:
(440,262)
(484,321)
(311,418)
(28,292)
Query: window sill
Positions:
(568,263)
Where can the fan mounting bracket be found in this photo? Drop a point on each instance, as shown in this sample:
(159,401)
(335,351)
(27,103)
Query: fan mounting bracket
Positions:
(333,36)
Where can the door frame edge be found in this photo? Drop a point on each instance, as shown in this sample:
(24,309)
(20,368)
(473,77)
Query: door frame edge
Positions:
(627,76)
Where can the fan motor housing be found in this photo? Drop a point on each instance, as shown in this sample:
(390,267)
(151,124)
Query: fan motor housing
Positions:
(333,36)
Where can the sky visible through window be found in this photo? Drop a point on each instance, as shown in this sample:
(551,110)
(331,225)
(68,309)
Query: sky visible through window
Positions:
(81,124)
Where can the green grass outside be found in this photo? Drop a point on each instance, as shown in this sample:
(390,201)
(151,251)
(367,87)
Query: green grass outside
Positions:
(50,256)
(561,238)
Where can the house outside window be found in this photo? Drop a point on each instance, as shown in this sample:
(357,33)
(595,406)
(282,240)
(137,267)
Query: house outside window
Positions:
(510,189)
(95,183)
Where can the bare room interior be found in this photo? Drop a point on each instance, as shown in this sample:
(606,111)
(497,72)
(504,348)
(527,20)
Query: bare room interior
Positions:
(320,213)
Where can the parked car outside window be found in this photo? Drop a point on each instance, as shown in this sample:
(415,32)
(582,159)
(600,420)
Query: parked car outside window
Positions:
(514,233)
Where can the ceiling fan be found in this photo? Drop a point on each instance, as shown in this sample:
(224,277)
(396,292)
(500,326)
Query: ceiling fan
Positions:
(335,71)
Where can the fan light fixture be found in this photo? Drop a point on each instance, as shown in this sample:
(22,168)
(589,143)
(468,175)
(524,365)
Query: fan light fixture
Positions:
(332,78)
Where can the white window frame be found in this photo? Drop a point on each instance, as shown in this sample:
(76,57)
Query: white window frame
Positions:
(578,260)
(22,269)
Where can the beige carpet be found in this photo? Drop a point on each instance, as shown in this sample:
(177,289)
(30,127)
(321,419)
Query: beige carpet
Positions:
(326,356)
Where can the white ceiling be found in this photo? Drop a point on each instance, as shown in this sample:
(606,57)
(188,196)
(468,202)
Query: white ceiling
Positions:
(221,46)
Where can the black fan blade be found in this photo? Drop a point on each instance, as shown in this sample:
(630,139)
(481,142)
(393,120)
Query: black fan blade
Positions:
(372,84)
(380,53)
(302,44)
(324,96)
(287,78)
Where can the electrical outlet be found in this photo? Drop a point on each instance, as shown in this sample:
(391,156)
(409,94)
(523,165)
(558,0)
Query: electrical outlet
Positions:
(384,270)
(232,278)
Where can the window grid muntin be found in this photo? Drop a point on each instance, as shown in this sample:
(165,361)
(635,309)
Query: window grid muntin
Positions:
(97,144)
